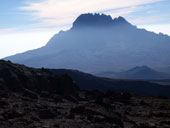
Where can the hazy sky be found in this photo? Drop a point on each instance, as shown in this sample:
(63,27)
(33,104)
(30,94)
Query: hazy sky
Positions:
(29,24)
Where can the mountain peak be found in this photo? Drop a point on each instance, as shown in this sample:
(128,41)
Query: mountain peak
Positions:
(141,69)
(120,19)
(97,20)
(92,20)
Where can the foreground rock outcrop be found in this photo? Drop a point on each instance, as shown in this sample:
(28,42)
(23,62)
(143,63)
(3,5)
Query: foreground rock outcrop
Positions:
(34,98)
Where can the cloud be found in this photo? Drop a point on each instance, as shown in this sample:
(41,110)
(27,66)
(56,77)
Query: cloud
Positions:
(122,11)
(7,31)
(158,28)
(146,20)
(17,42)
(60,12)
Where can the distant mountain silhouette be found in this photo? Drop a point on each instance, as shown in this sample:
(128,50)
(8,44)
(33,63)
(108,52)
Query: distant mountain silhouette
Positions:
(139,72)
(98,43)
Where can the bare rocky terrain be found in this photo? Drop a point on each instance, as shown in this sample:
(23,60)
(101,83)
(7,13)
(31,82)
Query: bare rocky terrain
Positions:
(35,98)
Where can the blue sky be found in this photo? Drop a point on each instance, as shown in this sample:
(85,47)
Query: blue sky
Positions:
(11,17)
(29,24)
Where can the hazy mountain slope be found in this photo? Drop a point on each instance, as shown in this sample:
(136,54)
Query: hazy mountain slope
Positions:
(164,69)
(140,72)
(99,43)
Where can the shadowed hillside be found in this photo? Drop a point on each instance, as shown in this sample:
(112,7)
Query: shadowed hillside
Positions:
(88,81)
(20,78)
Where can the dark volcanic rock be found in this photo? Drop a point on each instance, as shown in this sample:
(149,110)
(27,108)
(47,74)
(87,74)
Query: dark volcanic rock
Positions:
(11,114)
(46,114)
(3,103)
(34,98)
